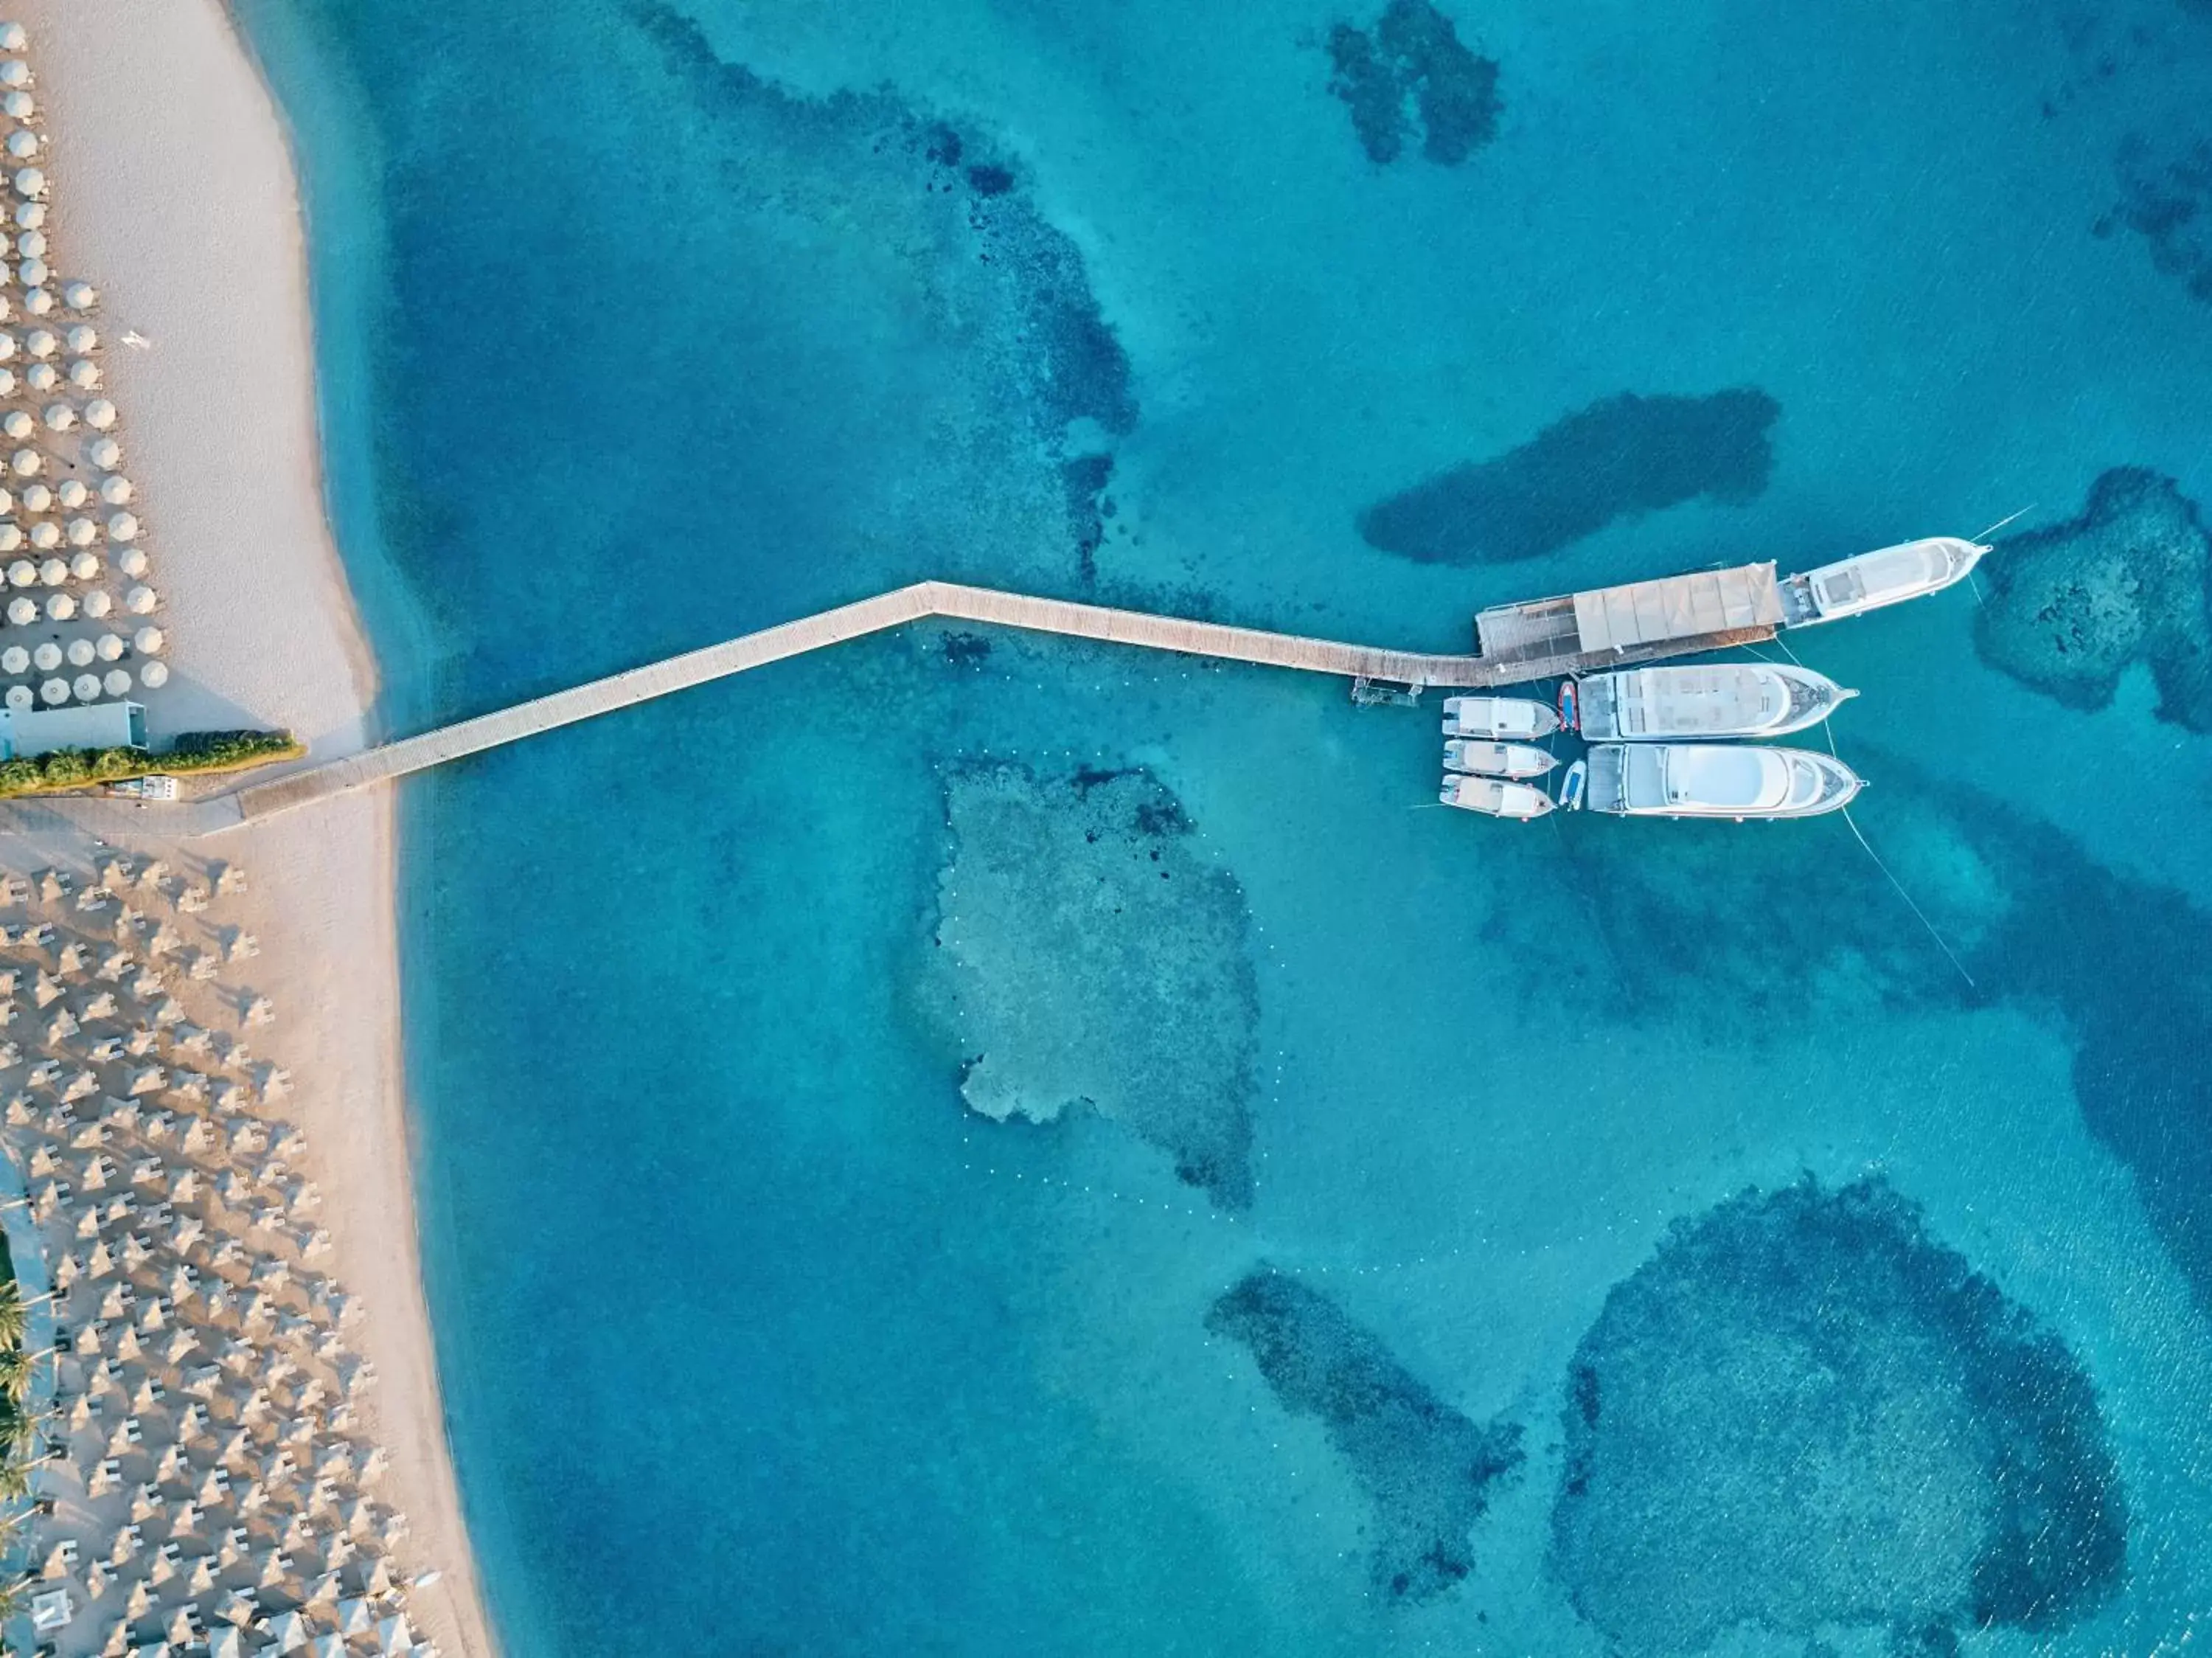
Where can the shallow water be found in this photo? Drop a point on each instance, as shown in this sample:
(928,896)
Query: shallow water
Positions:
(643,324)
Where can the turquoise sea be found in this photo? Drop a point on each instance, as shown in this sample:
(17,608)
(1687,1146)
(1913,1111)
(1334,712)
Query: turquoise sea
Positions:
(975,1145)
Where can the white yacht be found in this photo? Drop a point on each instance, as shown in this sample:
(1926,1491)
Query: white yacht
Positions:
(1495,796)
(1497,760)
(1504,719)
(1716,780)
(1707,700)
(1868,581)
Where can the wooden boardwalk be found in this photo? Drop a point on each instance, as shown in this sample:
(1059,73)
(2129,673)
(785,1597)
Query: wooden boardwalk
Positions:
(923,601)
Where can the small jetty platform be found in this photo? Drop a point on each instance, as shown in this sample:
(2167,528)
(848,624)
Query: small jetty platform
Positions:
(1638,622)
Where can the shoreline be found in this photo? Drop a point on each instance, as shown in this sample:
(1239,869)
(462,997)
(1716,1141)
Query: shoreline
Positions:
(187,213)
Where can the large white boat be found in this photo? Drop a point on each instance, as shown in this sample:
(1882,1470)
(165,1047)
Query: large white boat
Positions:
(1716,780)
(1868,581)
(1495,796)
(1503,719)
(1497,760)
(1707,700)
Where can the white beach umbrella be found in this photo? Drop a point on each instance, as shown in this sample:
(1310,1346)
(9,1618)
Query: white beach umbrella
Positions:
(32,244)
(59,416)
(53,571)
(20,698)
(47,656)
(18,424)
(37,497)
(41,342)
(23,574)
(46,535)
(123,526)
(32,273)
(115,489)
(38,301)
(26,463)
(83,339)
(148,642)
(82,531)
(99,414)
(85,567)
(22,611)
(154,675)
(79,652)
(61,607)
(42,377)
(109,647)
(72,493)
(29,214)
(131,561)
(104,452)
(14,660)
(30,183)
(14,37)
(11,537)
(7,377)
(14,72)
(84,374)
(23,143)
(141,600)
(81,297)
(54,692)
(117,680)
(87,686)
(97,605)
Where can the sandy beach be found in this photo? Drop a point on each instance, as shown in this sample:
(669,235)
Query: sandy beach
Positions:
(174,192)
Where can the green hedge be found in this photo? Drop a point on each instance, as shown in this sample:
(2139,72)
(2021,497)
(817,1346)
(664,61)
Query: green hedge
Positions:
(194,751)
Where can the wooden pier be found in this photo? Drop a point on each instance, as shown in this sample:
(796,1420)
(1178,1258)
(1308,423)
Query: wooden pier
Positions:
(1584,632)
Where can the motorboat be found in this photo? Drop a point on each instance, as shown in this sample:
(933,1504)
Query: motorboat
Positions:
(1704,699)
(1716,780)
(1497,796)
(1504,719)
(1868,581)
(1497,760)
(1573,785)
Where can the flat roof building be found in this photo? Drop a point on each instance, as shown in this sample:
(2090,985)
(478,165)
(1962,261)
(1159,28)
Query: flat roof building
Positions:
(26,733)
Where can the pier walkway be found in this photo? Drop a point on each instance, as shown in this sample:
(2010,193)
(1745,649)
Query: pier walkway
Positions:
(924,601)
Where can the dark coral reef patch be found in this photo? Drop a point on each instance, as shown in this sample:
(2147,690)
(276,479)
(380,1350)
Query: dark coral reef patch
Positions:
(1626,454)
(1412,75)
(1091,954)
(1803,1411)
(2166,197)
(2070,608)
(1426,1468)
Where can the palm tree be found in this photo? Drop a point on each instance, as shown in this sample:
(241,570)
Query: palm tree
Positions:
(13,1314)
(16,1370)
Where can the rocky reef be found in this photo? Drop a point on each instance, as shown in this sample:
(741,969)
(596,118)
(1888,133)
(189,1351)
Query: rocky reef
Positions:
(1409,75)
(1426,1468)
(1804,1411)
(2070,608)
(2166,197)
(1625,455)
(1090,954)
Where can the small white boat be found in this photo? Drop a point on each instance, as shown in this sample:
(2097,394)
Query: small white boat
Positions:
(1497,760)
(1887,575)
(1504,719)
(1495,796)
(1571,786)
(1705,699)
(1716,780)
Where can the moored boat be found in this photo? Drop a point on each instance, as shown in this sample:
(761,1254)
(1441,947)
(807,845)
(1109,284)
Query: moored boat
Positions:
(1571,786)
(1497,760)
(1868,581)
(1716,780)
(1704,699)
(1504,719)
(1496,796)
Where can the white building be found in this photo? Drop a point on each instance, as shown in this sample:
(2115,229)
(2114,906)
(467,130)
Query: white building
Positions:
(28,733)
